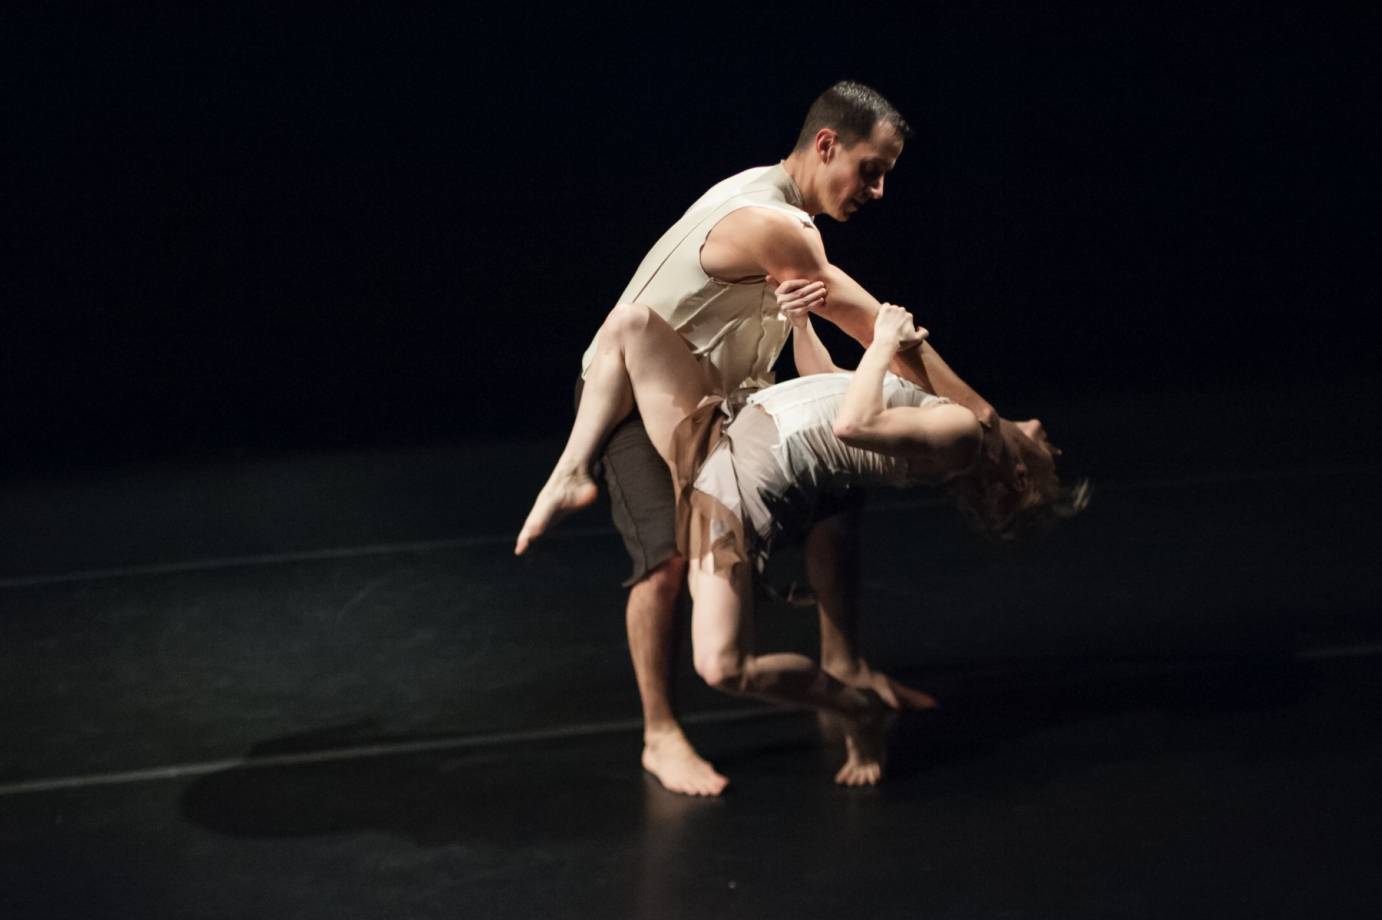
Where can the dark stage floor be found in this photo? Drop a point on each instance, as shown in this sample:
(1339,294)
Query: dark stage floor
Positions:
(319,686)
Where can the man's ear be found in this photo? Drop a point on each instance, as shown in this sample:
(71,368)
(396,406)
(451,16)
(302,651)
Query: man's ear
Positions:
(827,143)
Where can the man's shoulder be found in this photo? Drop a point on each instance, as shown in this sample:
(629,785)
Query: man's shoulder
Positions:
(766,219)
(748,178)
(753,240)
(737,184)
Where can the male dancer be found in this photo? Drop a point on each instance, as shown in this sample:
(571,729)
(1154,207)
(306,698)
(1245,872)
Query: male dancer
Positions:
(711,277)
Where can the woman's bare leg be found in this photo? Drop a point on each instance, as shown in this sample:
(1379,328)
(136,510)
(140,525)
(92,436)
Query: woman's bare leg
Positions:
(721,626)
(639,358)
(832,569)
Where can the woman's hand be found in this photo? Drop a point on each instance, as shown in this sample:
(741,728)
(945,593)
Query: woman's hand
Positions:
(893,328)
(797,298)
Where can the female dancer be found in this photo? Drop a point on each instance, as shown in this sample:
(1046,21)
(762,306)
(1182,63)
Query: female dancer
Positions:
(740,484)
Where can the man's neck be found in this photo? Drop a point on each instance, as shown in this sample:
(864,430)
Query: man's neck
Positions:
(801,166)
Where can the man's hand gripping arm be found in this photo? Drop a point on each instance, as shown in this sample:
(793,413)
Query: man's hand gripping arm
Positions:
(785,249)
(795,301)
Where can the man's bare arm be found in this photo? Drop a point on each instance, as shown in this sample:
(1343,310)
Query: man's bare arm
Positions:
(781,247)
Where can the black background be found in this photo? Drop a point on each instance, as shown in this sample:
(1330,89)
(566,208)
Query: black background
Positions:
(242,232)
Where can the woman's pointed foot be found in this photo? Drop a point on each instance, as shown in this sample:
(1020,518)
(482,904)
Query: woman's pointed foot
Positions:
(895,695)
(564,493)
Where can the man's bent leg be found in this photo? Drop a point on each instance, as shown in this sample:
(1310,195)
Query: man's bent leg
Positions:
(833,570)
(651,620)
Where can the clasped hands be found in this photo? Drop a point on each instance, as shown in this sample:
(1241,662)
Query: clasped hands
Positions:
(797,299)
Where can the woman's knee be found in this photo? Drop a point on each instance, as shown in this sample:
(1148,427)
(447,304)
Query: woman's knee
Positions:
(725,671)
(627,319)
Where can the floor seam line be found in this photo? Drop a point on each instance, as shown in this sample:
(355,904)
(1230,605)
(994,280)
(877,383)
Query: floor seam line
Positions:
(486,540)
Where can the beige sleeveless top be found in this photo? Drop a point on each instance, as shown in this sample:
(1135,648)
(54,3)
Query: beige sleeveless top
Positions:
(732,327)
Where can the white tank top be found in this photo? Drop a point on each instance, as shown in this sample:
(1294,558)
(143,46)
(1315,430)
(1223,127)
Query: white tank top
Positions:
(810,454)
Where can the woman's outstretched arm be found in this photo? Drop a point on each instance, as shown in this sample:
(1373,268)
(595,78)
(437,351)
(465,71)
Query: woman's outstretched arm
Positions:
(943,437)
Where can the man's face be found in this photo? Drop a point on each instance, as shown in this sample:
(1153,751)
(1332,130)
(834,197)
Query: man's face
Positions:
(854,175)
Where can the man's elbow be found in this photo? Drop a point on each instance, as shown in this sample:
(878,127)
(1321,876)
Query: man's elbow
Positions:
(795,264)
(783,273)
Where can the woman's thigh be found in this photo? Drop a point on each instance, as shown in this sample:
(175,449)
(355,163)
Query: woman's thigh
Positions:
(668,382)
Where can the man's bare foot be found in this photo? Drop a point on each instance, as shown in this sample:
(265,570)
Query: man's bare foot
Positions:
(897,696)
(670,757)
(865,738)
(565,491)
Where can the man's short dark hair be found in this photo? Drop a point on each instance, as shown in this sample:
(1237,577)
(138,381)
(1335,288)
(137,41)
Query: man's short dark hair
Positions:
(852,109)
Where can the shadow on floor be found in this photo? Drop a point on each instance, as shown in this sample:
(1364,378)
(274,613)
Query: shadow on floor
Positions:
(587,791)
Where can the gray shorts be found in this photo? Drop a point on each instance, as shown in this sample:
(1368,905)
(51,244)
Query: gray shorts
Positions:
(641,497)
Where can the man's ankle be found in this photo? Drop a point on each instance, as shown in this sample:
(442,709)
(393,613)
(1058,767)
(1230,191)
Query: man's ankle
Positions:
(662,733)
